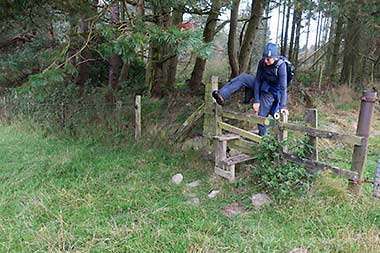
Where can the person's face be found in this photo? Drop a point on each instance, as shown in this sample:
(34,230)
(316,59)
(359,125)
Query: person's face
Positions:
(268,60)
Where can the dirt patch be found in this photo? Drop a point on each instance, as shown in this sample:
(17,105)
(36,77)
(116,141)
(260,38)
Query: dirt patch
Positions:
(234,208)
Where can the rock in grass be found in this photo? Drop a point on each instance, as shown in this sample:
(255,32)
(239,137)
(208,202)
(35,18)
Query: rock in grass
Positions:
(194,184)
(299,250)
(193,202)
(260,199)
(213,194)
(177,178)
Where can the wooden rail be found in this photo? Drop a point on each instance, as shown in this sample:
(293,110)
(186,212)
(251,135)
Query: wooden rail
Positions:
(245,117)
(243,133)
(350,139)
(318,166)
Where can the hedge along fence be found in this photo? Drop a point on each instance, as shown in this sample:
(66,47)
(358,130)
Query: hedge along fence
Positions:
(245,141)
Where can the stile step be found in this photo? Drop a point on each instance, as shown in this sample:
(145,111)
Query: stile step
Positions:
(237,159)
(227,137)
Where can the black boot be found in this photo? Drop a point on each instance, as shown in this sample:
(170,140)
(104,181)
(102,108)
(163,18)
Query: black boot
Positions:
(219,99)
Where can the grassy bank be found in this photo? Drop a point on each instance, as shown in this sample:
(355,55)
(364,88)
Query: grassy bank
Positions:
(64,195)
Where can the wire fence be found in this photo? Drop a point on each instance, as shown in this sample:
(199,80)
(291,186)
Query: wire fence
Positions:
(76,117)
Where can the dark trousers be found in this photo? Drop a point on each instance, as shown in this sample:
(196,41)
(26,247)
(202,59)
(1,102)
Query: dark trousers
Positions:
(243,80)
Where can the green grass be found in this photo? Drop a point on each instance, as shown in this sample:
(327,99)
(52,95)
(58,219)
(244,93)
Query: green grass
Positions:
(65,195)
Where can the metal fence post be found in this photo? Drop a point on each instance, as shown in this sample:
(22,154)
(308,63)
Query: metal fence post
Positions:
(360,151)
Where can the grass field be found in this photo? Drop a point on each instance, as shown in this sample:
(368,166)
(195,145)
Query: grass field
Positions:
(76,196)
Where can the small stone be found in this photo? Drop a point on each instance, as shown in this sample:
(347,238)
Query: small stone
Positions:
(177,178)
(213,194)
(299,250)
(260,199)
(194,184)
(193,202)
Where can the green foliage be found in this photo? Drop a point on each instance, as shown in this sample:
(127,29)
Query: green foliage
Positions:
(273,174)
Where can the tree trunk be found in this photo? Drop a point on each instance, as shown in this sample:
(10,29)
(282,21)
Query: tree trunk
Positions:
(351,58)
(140,10)
(334,48)
(287,28)
(157,79)
(316,36)
(321,30)
(232,51)
(292,33)
(83,68)
(160,67)
(283,29)
(115,60)
(278,23)
(298,34)
(257,10)
(173,62)
(308,33)
(208,36)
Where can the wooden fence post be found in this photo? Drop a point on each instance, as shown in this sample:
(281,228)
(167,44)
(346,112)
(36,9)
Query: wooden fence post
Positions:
(360,151)
(63,115)
(284,133)
(5,109)
(311,119)
(280,132)
(209,121)
(209,110)
(118,115)
(138,118)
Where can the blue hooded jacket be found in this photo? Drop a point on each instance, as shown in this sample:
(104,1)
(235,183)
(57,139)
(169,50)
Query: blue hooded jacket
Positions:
(267,80)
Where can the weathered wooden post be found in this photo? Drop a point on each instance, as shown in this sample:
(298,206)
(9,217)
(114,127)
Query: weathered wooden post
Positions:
(311,119)
(138,118)
(279,131)
(118,115)
(209,123)
(284,133)
(360,151)
(62,115)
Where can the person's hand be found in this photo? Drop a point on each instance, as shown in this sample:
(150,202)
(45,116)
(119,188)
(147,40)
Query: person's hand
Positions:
(256,107)
(284,111)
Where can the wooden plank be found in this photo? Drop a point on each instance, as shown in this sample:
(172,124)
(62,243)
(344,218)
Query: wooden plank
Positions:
(237,159)
(243,133)
(218,118)
(189,123)
(248,147)
(245,117)
(220,151)
(317,166)
(227,137)
(350,139)
(223,173)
